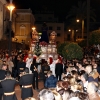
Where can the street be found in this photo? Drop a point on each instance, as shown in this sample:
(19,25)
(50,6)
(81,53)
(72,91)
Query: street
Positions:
(18,91)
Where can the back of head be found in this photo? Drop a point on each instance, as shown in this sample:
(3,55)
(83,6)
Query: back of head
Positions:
(26,70)
(56,94)
(49,72)
(4,67)
(46,94)
(8,73)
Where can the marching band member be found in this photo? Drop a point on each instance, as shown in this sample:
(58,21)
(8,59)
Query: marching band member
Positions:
(9,91)
(26,81)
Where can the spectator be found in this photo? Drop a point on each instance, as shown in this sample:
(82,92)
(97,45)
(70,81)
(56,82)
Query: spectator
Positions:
(51,81)
(92,89)
(93,75)
(46,94)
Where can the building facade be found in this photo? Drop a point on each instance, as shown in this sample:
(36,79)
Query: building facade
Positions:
(2,17)
(52,24)
(23,21)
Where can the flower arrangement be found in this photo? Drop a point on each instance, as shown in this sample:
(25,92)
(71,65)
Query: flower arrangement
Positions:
(43,43)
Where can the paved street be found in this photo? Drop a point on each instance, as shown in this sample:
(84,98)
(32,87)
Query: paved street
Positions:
(18,91)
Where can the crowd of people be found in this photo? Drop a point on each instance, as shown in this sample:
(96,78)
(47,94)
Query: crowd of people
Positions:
(63,79)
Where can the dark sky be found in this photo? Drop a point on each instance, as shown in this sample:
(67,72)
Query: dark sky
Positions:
(60,7)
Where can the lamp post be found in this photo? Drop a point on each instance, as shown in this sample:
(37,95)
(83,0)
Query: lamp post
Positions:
(10,7)
(82,27)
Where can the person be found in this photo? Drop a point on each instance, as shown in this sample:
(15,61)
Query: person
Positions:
(34,69)
(26,81)
(45,69)
(59,70)
(2,76)
(9,91)
(84,78)
(20,66)
(29,60)
(46,94)
(92,91)
(93,75)
(51,81)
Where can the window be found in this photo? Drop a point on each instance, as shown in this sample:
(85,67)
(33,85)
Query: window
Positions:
(58,28)
(22,17)
(50,28)
(22,30)
(58,34)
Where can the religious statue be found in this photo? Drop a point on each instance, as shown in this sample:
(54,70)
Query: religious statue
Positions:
(53,37)
(35,36)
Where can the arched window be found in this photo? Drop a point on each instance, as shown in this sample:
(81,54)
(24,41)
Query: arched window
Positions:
(22,30)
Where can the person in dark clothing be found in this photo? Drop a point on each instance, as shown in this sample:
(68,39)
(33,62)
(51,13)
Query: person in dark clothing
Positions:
(34,69)
(26,81)
(45,69)
(20,66)
(2,76)
(51,81)
(59,69)
(9,91)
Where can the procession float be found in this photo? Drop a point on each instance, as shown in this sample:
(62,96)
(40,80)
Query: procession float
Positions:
(43,49)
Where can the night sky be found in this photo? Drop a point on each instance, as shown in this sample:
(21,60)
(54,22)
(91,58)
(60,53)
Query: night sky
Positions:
(60,7)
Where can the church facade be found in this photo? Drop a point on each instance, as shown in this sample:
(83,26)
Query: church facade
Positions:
(23,21)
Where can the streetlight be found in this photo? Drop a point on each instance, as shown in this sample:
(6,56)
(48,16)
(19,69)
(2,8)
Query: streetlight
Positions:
(72,34)
(82,27)
(10,7)
(33,28)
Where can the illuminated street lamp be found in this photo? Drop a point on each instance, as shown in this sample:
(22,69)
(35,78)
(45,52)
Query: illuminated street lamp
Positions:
(33,28)
(82,27)
(72,34)
(69,30)
(10,7)
(77,20)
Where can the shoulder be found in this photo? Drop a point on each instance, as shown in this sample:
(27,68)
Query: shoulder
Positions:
(6,79)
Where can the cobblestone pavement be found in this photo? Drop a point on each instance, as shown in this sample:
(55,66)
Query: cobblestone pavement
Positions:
(18,91)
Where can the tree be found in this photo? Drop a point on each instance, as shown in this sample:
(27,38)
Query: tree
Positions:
(94,37)
(61,47)
(80,12)
(72,51)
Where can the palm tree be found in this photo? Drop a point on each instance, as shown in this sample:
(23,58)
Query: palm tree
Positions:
(80,12)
